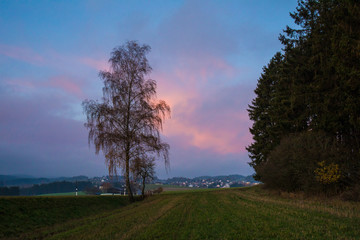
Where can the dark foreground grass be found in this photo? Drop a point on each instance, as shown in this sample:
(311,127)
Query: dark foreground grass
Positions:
(247,213)
(24,214)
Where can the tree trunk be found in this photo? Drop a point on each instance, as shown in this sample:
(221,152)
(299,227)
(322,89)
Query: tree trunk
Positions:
(131,197)
(143,188)
(127,180)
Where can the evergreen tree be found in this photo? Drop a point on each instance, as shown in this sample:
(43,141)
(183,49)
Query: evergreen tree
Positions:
(264,129)
(313,85)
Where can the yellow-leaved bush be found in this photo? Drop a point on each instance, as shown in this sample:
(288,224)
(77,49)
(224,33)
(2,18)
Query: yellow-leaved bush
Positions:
(327,174)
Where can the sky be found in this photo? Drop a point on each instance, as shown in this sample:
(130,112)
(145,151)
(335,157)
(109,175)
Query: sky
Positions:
(206,58)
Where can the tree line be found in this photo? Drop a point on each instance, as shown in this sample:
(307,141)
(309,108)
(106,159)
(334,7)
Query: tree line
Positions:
(9,191)
(38,189)
(306,113)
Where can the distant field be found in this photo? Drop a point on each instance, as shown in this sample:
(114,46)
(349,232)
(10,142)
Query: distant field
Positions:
(166,187)
(240,213)
(64,194)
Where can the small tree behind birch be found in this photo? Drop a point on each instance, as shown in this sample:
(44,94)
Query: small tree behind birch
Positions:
(143,170)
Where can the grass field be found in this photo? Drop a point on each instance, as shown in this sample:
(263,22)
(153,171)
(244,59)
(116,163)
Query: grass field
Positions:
(243,213)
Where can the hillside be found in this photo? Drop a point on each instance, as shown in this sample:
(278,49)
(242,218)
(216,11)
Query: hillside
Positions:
(243,213)
(23,180)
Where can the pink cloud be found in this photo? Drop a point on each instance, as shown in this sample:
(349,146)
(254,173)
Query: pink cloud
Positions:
(202,67)
(20,84)
(94,63)
(220,134)
(205,116)
(189,75)
(22,54)
(67,85)
(209,66)
(51,58)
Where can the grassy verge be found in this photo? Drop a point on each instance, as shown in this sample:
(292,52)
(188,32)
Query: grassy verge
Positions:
(64,194)
(243,213)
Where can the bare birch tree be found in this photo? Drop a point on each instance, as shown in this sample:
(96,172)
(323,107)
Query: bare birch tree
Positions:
(143,170)
(126,124)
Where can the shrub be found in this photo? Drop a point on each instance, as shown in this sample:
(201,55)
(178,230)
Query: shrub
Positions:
(308,161)
(327,174)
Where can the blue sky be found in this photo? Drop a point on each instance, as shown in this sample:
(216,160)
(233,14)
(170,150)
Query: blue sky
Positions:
(206,58)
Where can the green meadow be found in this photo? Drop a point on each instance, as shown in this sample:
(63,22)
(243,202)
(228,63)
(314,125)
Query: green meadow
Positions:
(241,213)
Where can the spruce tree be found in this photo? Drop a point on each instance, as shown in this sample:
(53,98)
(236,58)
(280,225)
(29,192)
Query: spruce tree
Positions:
(313,85)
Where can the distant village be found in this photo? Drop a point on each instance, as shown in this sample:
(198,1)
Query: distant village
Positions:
(197,182)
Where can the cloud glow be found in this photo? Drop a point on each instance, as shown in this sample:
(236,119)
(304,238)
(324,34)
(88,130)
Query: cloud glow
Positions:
(206,58)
